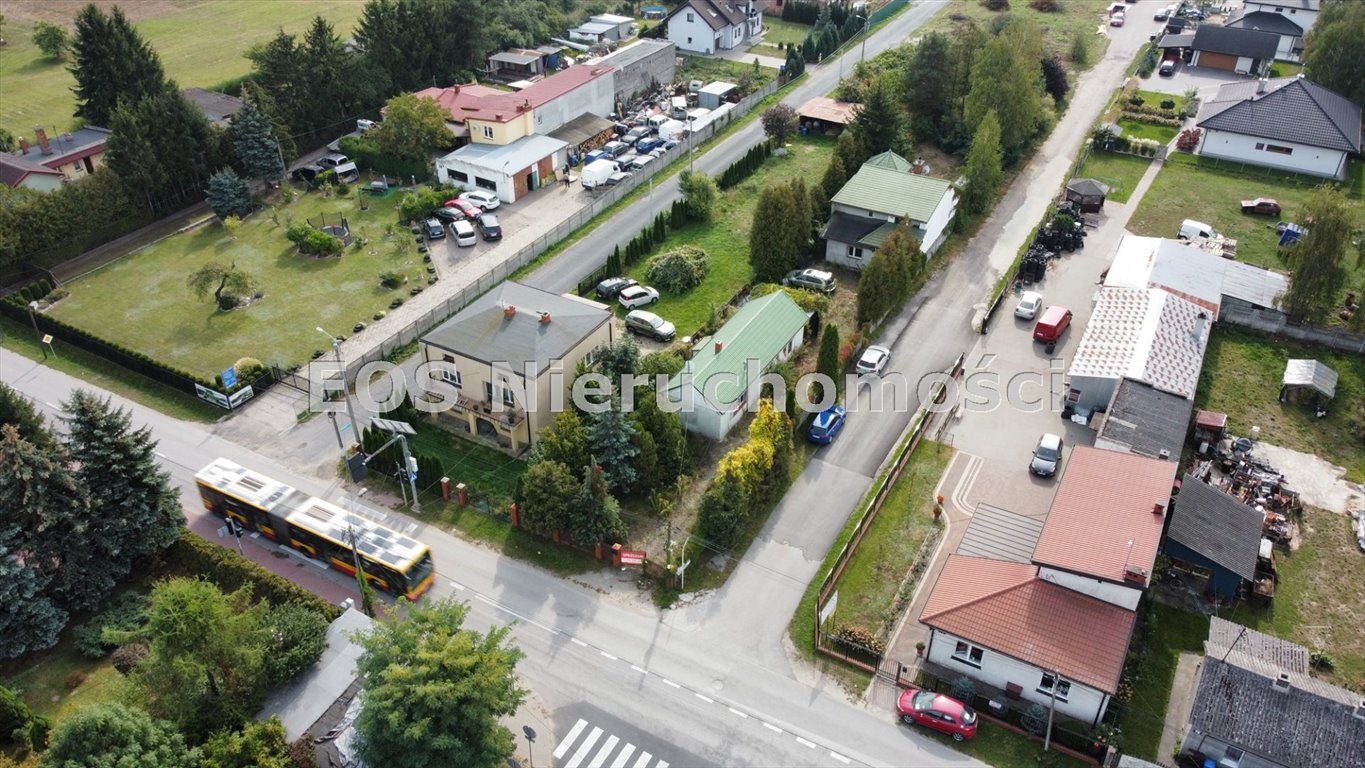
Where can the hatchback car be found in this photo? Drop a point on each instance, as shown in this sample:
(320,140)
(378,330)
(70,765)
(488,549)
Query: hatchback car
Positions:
(469,209)
(608,289)
(941,713)
(488,226)
(463,232)
(873,360)
(647,145)
(826,425)
(483,198)
(1167,68)
(1028,305)
(449,215)
(811,280)
(637,296)
(649,324)
(1047,456)
(434,229)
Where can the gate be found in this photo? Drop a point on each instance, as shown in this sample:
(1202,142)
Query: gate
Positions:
(291,379)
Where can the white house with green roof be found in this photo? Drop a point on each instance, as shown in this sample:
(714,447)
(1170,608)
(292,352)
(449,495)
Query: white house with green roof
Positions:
(882,194)
(714,387)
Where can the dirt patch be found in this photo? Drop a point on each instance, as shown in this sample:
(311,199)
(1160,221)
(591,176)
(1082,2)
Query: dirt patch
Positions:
(62,11)
(1318,482)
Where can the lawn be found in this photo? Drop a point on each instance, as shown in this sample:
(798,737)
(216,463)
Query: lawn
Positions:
(1320,600)
(1134,129)
(1004,748)
(778,31)
(726,236)
(489,470)
(1189,189)
(1169,632)
(1285,69)
(201,43)
(1121,172)
(1078,17)
(708,70)
(142,301)
(44,681)
(1241,377)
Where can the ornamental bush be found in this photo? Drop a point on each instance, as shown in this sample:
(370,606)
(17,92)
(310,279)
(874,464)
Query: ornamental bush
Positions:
(679,270)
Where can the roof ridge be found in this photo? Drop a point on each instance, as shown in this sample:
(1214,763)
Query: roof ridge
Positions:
(998,592)
(1303,84)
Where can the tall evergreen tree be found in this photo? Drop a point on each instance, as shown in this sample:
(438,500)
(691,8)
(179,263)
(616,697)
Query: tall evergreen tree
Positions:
(565,440)
(670,442)
(880,122)
(253,141)
(770,245)
(113,65)
(33,490)
(827,359)
(611,435)
(595,515)
(17,410)
(835,176)
(228,194)
(851,153)
(548,491)
(927,83)
(162,144)
(1007,77)
(135,512)
(985,165)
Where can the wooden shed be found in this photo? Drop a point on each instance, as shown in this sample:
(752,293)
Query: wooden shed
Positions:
(1087,193)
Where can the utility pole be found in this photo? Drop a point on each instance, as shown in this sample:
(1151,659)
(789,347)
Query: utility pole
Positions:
(345,387)
(366,598)
(1052,706)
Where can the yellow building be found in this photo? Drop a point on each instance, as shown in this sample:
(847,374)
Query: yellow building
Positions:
(74,154)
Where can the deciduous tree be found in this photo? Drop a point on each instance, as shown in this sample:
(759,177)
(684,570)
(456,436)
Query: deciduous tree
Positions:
(435,692)
(699,193)
(985,165)
(1007,78)
(565,440)
(227,282)
(52,40)
(413,128)
(113,65)
(298,636)
(259,744)
(666,430)
(112,735)
(1332,49)
(548,491)
(779,123)
(1319,271)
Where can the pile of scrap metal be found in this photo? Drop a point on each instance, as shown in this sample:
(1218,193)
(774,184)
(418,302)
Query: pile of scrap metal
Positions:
(1259,485)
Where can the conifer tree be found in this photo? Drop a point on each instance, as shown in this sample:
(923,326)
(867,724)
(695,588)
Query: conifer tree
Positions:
(253,141)
(113,65)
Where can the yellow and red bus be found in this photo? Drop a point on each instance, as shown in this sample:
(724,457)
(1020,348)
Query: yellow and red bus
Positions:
(393,562)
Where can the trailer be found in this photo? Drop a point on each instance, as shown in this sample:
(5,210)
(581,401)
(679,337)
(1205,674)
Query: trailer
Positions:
(596,173)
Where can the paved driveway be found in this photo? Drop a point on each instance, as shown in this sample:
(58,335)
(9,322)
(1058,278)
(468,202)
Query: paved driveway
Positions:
(1204,80)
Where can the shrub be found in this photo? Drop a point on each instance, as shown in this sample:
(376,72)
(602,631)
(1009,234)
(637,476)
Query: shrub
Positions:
(996,5)
(391,279)
(227,301)
(1168,103)
(1035,719)
(1188,139)
(1321,660)
(126,657)
(679,270)
(249,369)
(859,640)
(230,571)
(127,613)
(1136,100)
(1045,6)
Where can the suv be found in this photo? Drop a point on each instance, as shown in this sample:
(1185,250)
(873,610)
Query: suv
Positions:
(609,288)
(341,165)
(650,324)
(811,280)
(307,173)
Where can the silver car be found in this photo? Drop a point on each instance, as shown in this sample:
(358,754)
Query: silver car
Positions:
(1047,457)
(873,361)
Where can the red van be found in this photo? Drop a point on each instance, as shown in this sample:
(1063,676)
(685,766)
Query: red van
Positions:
(1052,325)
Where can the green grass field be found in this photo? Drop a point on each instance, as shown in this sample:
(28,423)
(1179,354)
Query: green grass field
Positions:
(1134,129)
(779,31)
(1144,719)
(1074,17)
(201,43)
(726,236)
(44,681)
(1121,172)
(142,301)
(1241,377)
(465,461)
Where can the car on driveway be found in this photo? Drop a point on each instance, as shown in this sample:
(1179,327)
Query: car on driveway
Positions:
(307,173)
(644,323)
(434,229)
(1264,206)
(637,296)
(1116,20)
(608,289)
(1047,456)
(811,280)
(826,425)
(470,210)
(873,360)
(488,226)
(1167,68)
(934,710)
(1029,304)
(449,215)
(486,200)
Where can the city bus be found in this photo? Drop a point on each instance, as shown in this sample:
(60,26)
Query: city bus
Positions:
(393,562)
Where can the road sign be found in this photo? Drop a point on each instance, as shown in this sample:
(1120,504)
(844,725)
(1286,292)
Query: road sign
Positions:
(828,610)
(47,339)
(229,377)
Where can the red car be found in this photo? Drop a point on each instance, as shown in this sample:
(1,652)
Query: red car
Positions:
(934,710)
(471,211)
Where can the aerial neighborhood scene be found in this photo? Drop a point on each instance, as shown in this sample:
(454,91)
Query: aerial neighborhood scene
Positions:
(601,384)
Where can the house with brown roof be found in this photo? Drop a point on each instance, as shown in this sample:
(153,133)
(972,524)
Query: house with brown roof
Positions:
(73,154)
(19,171)
(1004,625)
(711,26)
(1104,528)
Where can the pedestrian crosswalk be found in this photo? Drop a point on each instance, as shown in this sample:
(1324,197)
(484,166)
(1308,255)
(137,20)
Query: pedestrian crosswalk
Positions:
(584,742)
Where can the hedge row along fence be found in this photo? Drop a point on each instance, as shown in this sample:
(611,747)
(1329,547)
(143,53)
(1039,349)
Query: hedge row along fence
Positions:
(230,571)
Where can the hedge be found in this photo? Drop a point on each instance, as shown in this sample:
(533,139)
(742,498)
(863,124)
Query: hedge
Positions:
(367,155)
(230,571)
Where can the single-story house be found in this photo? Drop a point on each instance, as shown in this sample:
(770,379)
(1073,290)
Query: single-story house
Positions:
(1302,12)
(1193,274)
(1145,334)
(711,26)
(217,107)
(825,115)
(713,386)
(511,170)
(593,32)
(520,64)
(1290,33)
(1213,535)
(510,357)
(1144,420)
(1103,530)
(1244,51)
(18,171)
(641,67)
(74,154)
(1256,706)
(1004,625)
(1288,123)
(712,95)
(884,192)
(1087,193)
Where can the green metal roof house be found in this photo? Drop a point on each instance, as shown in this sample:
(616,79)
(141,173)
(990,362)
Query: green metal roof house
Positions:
(882,194)
(714,388)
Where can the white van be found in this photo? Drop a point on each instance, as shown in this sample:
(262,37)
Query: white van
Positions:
(463,232)
(1190,229)
(679,105)
(655,121)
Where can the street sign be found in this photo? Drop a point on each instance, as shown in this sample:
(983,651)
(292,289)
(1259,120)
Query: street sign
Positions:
(229,377)
(47,339)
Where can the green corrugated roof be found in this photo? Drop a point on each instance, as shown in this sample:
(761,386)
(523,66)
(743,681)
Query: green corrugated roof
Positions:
(758,331)
(890,161)
(886,190)
(876,237)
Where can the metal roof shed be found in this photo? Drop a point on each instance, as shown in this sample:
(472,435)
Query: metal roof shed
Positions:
(715,94)
(1308,374)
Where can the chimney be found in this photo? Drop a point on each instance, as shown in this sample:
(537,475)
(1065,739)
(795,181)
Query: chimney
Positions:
(544,318)
(1260,86)
(1158,507)
(1164,455)
(719,346)
(23,146)
(42,139)
(1200,324)
(1281,683)
(509,311)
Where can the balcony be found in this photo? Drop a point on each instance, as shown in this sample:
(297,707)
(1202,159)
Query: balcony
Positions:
(506,429)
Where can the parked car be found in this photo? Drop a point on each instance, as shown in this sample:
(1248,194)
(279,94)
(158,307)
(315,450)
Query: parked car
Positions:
(1167,68)
(811,280)
(640,162)
(1047,456)
(363,126)
(617,178)
(1117,20)
(1162,14)
(1028,305)
(611,287)
(463,232)
(615,148)
(488,226)
(434,229)
(637,296)
(649,324)
(307,173)
(647,145)
(595,155)
(934,710)
(1264,206)
(1190,229)
(873,360)
(826,425)
(470,210)
(335,160)
(1052,324)
(449,215)
(669,144)
(340,165)
(483,198)
(635,134)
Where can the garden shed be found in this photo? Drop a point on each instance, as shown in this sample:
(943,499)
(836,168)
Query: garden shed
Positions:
(1310,377)
(1087,193)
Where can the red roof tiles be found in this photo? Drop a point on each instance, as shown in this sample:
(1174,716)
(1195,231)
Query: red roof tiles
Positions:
(480,102)
(1007,608)
(1107,514)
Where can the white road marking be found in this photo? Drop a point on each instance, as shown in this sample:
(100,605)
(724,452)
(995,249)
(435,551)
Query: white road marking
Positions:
(585,749)
(608,655)
(576,641)
(737,712)
(839,757)
(603,753)
(704,698)
(643,761)
(670,682)
(568,740)
(661,764)
(637,669)
(773,728)
(626,752)
(805,743)
(457,586)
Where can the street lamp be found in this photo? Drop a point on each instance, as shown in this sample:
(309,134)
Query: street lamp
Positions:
(345,393)
(530,739)
(862,56)
(33,318)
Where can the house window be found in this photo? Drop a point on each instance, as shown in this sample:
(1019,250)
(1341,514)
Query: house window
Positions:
(690,19)
(1279,150)
(488,131)
(590,359)
(488,184)
(1045,686)
(855,253)
(450,375)
(507,398)
(689,41)
(968,654)
(1260,145)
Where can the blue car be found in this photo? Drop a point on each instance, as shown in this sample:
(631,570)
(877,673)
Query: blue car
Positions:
(826,426)
(596,154)
(645,146)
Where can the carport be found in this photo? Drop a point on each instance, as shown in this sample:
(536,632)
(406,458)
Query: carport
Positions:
(1307,379)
